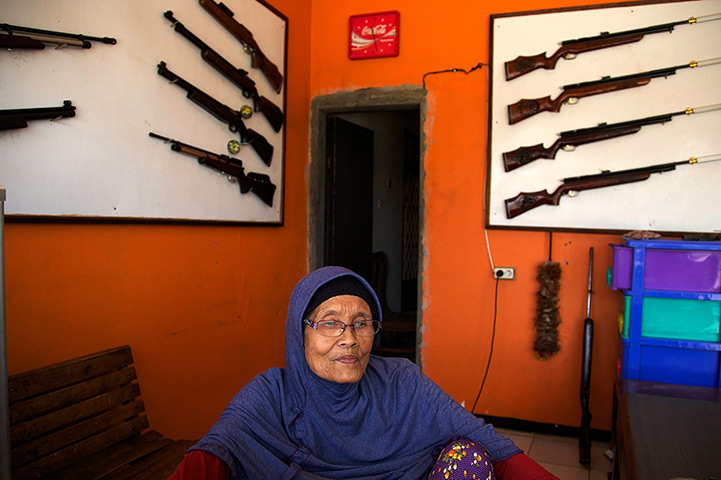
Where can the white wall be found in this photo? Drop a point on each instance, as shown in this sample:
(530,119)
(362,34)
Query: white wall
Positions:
(102,163)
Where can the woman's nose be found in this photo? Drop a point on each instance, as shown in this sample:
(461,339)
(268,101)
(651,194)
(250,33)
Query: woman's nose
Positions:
(348,337)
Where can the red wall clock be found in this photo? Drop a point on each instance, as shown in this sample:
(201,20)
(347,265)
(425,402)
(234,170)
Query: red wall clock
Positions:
(373,35)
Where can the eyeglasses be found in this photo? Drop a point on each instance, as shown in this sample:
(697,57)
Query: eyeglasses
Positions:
(335,328)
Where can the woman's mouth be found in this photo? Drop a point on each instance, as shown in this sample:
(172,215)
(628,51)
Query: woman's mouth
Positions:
(347,359)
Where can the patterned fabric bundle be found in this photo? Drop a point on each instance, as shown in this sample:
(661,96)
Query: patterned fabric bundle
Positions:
(463,460)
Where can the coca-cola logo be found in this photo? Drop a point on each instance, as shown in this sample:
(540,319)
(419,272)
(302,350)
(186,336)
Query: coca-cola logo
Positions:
(378,30)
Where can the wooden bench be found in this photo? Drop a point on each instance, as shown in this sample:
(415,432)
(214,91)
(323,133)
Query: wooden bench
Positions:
(83,419)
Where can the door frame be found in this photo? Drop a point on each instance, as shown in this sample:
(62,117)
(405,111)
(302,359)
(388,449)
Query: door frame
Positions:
(404,97)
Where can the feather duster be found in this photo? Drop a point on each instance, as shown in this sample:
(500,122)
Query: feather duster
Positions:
(547,310)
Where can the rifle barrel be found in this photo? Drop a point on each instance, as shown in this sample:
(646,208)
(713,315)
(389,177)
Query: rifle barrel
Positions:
(630,123)
(638,31)
(236,75)
(661,72)
(666,117)
(180,28)
(663,167)
(66,110)
(78,36)
(590,283)
(180,144)
(155,135)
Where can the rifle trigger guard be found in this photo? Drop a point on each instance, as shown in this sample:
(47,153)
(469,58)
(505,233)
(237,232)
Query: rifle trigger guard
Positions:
(572,100)
(568,148)
(569,56)
(572,193)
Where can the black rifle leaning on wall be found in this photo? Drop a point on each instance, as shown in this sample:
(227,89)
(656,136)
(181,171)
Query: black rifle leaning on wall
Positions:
(258,183)
(35,38)
(525,108)
(18,118)
(570,139)
(224,16)
(238,76)
(571,48)
(584,439)
(524,202)
(222,112)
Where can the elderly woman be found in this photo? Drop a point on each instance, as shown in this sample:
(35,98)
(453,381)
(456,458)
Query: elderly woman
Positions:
(337,412)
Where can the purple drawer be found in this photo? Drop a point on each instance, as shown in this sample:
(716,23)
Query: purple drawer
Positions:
(673,269)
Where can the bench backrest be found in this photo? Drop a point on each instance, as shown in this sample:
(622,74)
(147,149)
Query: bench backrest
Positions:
(64,412)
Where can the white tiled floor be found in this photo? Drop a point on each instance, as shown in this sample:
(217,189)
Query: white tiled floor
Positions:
(559,455)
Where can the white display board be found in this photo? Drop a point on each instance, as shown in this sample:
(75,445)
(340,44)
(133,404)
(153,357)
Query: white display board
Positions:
(683,200)
(102,163)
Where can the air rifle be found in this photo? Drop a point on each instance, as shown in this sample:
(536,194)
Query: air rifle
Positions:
(257,183)
(18,118)
(571,48)
(224,16)
(570,139)
(236,75)
(525,108)
(524,202)
(224,113)
(38,38)
(584,439)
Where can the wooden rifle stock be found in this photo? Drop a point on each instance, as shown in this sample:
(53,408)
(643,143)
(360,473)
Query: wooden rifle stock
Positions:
(270,110)
(258,183)
(524,202)
(526,108)
(522,65)
(223,15)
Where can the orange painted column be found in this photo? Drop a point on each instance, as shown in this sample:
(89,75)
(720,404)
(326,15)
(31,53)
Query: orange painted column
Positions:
(459,290)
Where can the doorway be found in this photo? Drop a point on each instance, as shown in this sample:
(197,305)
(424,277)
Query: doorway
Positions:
(365,195)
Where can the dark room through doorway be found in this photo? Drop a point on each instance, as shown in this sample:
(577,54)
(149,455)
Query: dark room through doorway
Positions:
(372,213)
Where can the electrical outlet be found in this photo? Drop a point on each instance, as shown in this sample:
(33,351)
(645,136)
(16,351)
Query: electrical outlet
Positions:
(505,273)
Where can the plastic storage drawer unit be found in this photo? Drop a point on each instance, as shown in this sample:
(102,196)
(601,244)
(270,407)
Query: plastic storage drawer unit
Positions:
(671,361)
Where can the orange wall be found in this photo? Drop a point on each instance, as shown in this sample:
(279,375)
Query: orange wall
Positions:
(458,287)
(203,307)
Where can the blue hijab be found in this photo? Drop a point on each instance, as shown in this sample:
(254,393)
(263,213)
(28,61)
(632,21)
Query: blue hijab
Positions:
(288,423)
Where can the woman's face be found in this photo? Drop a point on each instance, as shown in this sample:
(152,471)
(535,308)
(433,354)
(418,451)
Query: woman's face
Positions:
(339,359)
